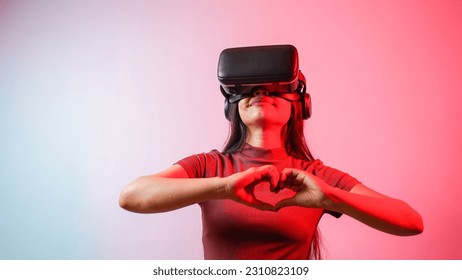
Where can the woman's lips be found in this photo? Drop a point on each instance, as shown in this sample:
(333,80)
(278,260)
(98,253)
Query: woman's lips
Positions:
(261,101)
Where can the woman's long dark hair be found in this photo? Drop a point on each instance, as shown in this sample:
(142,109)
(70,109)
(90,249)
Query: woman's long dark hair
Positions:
(294,143)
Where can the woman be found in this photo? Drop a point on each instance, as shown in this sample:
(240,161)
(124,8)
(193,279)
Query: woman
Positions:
(263,195)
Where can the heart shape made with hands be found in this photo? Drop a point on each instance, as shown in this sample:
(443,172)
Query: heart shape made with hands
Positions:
(260,183)
(263,192)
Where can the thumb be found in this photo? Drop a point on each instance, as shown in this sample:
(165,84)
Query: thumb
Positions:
(252,201)
(284,203)
(264,206)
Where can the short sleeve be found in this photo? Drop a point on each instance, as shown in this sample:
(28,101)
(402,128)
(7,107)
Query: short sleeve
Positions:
(200,165)
(334,178)
(194,165)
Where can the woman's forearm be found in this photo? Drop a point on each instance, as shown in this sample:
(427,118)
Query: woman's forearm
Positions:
(381,212)
(154,194)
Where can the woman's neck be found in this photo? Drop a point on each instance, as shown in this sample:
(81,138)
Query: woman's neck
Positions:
(267,139)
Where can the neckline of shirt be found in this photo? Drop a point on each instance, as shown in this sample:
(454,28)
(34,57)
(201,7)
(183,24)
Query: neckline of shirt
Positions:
(257,152)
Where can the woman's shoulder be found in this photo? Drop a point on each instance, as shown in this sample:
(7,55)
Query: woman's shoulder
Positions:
(331,175)
(308,165)
(317,167)
(204,158)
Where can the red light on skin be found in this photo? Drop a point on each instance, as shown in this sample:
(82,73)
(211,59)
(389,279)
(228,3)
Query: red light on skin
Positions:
(262,101)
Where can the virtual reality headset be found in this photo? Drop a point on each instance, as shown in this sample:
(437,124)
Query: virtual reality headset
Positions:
(275,68)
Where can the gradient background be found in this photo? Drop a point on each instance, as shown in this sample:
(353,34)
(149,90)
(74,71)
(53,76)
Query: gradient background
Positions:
(96,93)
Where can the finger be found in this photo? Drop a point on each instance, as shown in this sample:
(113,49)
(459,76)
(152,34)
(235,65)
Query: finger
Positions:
(284,203)
(281,182)
(271,175)
(249,199)
(274,178)
(293,178)
(276,190)
(260,205)
(274,181)
(264,206)
(289,170)
(287,174)
(285,182)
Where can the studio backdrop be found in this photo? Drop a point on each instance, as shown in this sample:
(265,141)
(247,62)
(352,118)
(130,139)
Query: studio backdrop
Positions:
(94,94)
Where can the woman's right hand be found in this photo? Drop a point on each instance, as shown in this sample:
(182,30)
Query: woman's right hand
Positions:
(173,189)
(240,186)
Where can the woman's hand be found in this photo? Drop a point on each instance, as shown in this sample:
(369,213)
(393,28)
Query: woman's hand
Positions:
(365,205)
(240,186)
(310,190)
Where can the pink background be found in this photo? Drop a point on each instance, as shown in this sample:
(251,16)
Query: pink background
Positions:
(96,93)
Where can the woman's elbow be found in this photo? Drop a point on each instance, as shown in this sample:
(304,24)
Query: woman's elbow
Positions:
(126,199)
(129,197)
(419,225)
(414,226)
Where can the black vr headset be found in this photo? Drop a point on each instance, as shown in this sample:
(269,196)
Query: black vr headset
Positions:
(275,68)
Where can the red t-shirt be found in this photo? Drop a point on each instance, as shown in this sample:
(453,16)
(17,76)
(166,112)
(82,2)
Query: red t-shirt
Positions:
(235,231)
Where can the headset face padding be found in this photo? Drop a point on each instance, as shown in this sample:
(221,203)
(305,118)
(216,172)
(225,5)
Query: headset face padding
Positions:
(305,100)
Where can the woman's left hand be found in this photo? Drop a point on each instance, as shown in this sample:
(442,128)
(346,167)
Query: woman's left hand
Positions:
(310,190)
(361,203)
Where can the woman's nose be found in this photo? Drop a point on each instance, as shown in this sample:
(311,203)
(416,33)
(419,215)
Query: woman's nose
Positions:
(261,92)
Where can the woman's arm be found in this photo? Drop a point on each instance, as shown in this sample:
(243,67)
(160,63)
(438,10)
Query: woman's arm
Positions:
(173,189)
(376,210)
(168,190)
(362,203)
